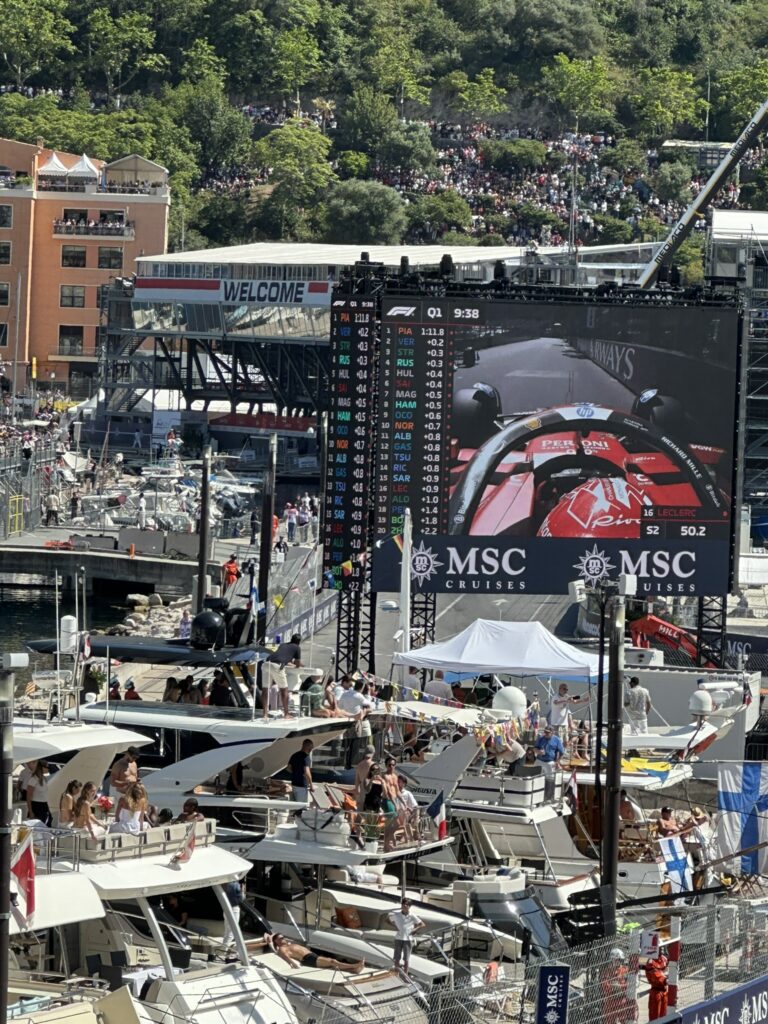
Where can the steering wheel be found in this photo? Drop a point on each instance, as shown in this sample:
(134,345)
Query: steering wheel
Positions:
(582,418)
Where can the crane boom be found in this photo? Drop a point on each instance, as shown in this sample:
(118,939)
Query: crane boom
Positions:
(682,229)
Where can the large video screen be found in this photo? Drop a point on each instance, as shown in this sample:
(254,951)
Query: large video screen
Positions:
(538,443)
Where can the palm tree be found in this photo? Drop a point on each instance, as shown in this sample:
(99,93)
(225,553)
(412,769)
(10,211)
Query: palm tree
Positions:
(326,109)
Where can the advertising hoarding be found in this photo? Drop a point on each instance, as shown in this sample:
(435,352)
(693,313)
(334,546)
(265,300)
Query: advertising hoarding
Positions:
(541,442)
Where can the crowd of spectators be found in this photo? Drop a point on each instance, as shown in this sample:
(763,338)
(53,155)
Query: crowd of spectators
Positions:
(533,206)
(536,205)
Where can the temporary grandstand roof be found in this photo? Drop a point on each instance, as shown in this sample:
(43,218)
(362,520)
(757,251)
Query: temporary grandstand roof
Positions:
(300,254)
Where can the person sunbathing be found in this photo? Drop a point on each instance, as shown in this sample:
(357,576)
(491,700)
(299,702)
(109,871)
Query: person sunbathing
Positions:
(299,956)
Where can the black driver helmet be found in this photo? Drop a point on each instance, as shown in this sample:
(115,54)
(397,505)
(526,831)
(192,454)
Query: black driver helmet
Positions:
(475,412)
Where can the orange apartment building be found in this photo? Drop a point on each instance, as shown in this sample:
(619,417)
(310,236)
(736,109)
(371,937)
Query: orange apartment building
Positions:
(68,225)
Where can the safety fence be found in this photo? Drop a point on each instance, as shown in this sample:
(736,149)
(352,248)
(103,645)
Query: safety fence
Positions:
(710,950)
(26,480)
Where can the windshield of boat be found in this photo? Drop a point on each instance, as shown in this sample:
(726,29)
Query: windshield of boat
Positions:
(515,913)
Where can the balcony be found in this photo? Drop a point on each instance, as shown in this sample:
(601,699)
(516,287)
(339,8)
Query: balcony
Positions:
(83,229)
(72,347)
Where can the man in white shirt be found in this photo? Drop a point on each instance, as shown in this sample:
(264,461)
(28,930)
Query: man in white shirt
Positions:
(356,704)
(560,711)
(638,704)
(406,925)
(407,808)
(438,687)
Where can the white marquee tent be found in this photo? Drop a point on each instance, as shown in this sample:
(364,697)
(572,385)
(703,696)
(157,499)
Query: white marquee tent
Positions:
(507,648)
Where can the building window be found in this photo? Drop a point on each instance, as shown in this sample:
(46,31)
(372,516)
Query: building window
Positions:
(75,216)
(5,253)
(73,255)
(70,340)
(6,216)
(72,295)
(112,216)
(110,258)
(5,291)
(3,335)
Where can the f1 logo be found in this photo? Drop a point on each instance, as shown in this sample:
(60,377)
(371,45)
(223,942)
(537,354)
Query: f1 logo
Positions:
(402,311)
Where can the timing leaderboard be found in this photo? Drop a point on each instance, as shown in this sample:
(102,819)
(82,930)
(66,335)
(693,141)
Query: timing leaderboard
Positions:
(415,404)
(348,473)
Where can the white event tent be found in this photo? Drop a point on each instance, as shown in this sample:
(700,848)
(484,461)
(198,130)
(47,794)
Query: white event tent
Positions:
(506,648)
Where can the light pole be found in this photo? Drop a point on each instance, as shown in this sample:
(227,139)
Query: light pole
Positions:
(614,602)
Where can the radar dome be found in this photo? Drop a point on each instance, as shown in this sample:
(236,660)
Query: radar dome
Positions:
(208,630)
(510,698)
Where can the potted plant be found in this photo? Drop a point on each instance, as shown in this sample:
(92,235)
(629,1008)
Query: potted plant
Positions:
(371,831)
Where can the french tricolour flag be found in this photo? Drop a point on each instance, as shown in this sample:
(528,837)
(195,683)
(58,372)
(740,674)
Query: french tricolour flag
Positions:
(436,811)
(23,879)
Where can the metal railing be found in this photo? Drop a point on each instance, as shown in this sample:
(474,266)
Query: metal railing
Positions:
(113,230)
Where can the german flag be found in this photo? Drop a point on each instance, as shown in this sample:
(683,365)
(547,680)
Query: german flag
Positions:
(398,539)
(347,568)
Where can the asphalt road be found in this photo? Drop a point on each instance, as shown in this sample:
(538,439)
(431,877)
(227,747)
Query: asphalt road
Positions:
(541,373)
(453,614)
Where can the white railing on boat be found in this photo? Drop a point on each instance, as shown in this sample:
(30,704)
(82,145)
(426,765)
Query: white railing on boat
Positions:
(76,846)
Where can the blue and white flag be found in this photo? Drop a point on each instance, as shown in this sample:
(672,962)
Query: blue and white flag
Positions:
(677,863)
(742,800)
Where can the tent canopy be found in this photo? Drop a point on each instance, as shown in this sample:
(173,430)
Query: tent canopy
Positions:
(511,648)
(83,169)
(53,167)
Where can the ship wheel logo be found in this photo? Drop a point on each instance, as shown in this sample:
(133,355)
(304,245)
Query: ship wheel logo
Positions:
(594,566)
(424,564)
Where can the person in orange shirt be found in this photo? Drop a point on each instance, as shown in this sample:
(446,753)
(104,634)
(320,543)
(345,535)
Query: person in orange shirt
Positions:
(656,973)
(231,572)
(616,1005)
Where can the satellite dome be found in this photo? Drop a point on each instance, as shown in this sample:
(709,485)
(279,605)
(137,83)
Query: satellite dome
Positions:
(510,698)
(208,630)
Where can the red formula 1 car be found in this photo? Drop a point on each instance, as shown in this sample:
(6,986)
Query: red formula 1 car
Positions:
(573,471)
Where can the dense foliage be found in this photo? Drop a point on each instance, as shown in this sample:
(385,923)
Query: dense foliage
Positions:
(187,83)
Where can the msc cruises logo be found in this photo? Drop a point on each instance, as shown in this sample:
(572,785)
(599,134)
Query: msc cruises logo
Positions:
(594,566)
(424,564)
(402,311)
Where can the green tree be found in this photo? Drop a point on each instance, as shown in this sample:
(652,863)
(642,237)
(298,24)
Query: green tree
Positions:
(221,134)
(119,48)
(614,231)
(239,33)
(663,99)
(367,122)
(409,147)
(363,212)
(582,90)
(475,99)
(398,68)
(442,211)
(515,155)
(201,62)
(351,164)
(297,156)
(626,155)
(739,93)
(672,182)
(34,33)
(295,61)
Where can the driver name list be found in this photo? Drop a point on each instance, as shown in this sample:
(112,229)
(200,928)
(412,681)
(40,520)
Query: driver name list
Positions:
(345,524)
(416,373)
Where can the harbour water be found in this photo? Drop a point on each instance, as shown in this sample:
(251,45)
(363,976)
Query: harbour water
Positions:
(29,613)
